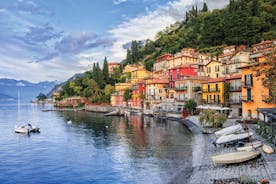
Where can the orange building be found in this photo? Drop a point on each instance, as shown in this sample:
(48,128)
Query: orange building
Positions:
(254,94)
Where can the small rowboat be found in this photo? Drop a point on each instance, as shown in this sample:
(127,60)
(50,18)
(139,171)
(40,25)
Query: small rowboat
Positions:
(235,157)
(26,129)
(267,149)
(250,146)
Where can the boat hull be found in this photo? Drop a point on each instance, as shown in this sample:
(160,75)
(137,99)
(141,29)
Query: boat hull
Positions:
(235,157)
(267,149)
(232,138)
(229,130)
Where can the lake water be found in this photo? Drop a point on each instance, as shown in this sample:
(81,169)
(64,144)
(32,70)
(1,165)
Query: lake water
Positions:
(93,149)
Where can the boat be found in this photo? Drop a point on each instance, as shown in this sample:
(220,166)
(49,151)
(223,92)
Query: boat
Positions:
(267,149)
(250,146)
(112,113)
(26,129)
(233,138)
(235,157)
(229,130)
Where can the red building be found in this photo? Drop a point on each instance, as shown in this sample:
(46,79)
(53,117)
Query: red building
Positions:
(180,71)
(138,94)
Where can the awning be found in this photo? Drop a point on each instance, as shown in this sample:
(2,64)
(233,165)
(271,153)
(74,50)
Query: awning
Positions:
(212,107)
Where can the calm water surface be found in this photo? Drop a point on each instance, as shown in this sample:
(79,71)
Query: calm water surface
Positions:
(93,149)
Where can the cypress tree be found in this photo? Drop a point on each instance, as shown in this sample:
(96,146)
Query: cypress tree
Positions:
(205,8)
(105,71)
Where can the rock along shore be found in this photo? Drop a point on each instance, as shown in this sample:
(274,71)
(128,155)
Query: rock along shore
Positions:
(204,171)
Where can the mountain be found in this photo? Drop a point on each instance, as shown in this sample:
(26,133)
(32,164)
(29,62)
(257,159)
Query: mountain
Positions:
(28,90)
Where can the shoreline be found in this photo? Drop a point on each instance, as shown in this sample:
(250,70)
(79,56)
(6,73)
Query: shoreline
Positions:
(206,172)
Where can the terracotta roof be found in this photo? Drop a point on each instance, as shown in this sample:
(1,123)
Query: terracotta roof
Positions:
(234,77)
(249,65)
(220,79)
(182,66)
(113,63)
(158,81)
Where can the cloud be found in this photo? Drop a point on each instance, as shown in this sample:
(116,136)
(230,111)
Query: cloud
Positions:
(30,7)
(40,34)
(76,43)
(117,2)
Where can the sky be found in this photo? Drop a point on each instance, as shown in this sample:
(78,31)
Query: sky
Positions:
(54,39)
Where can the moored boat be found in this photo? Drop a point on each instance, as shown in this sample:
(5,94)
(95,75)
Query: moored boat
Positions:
(26,129)
(235,157)
(233,137)
(267,149)
(250,146)
(229,130)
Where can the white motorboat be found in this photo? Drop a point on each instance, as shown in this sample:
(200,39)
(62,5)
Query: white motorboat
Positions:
(250,146)
(229,130)
(233,137)
(235,157)
(26,129)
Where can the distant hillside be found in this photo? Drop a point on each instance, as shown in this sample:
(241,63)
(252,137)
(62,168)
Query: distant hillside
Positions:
(28,90)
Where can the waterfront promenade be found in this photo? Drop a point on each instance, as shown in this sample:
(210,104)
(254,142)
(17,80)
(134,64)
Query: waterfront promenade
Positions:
(204,171)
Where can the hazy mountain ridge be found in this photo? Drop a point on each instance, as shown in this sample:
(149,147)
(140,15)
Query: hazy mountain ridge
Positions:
(9,88)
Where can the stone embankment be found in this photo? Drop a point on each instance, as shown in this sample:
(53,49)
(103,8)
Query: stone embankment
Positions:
(204,171)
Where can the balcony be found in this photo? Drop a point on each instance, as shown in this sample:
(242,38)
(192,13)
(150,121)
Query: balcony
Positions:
(269,99)
(235,101)
(181,88)
(217,101)
(247,84)
(235,88)
(211,90)
(247,99)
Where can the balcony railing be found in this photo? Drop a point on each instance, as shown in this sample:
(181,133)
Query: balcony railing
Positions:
(235,101)
(210,90)
(247,99)
(247,85)
(217,101)
(181,88)
(269,99)
(235,88)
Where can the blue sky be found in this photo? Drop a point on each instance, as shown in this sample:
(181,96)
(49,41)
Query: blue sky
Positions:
(54,39)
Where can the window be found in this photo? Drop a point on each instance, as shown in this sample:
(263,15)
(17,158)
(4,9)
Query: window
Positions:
(217,75)
(170,77)
(248,80)
(208,88)
(216,87)
(178,76)
(160,90)
(249,97)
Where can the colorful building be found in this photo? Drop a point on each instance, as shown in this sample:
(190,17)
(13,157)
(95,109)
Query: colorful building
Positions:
(213,91)
(160,66)
(235,95)
(213,69)
(186,57)
(138,94)
(179,72)
(156,91)
(254,94)
(117,98)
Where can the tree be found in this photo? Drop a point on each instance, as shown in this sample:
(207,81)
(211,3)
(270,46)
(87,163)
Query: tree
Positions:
(190,105)
(211,118)
(41,97)
(127,94)
(205,8)
(105,71)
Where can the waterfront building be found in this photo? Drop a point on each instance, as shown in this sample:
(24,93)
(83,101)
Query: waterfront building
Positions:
(213,91)
(117,98)
(156,91)
(138,94)
(227,53)
(189,87)
(234,96)
(254,94)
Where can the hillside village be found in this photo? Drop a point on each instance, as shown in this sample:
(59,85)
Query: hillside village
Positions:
(228,83)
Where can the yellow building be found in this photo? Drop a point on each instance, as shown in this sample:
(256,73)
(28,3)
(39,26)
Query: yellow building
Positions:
(134,73)
(186,57)
(213,91)
(213,69)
